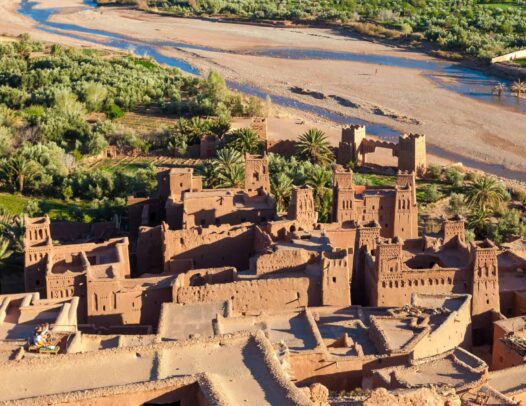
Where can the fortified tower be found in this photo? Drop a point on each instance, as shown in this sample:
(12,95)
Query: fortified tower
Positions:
(412,153)
(343,196)
(335,281)
(37,246)
(388,270)
(405,223)
(301,208)
(485,293)
(350,146)
(256,174)
(259,126)
(366,239)
(453,228)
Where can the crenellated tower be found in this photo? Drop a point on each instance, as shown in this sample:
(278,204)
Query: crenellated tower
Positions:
(257,177)
(38,245)
(301,208)
(485,290)
(343,196)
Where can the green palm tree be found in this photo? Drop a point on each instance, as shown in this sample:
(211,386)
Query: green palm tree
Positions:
(485,194)
(228,157)
(314,146)
(319,179)
(229,168)
(5,249)
(518,88)
(232,177)
(281,187)
(499,89)
(478,221)
(244,140)
(18,171)
(12,228)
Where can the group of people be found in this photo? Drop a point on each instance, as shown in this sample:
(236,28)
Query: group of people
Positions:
(41,335)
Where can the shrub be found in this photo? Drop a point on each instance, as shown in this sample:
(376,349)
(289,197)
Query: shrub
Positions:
(114,112)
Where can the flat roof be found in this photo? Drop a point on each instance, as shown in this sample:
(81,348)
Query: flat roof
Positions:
(239,365)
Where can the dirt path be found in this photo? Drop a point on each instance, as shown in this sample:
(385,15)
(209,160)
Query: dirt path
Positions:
(403,98)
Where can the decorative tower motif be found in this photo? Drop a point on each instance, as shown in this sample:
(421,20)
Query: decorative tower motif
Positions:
(388,270)
(412,153)
(485,290)
(38,245)
(405,223)
(335,280)
(256,174)
(453,228)
(259,126)
(350,146)
(343,196)
(301,208)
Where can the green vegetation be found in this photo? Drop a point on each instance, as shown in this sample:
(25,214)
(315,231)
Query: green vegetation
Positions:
(477,28)
(61,107)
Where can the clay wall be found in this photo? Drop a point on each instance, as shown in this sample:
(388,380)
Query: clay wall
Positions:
(149,250)
(182,394)
(208,247)
(284,260)
(396,289)
(254,295)
(225,207)
(312,367)
(135,301)
(504,355)
(452,332)
(208,276)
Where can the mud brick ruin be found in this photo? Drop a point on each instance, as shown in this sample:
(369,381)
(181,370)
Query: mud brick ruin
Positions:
(212,298)
(410,150)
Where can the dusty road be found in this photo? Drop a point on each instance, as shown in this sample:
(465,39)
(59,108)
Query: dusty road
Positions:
(399,94)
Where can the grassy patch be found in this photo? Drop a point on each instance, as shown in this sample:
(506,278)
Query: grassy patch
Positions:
(55,208)
(505,5)
(521,62)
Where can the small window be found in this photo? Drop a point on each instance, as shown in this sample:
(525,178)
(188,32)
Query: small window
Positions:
(334,279)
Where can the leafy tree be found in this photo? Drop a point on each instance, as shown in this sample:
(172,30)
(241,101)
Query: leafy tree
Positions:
(5,249)
(510,225)
(314,146)
(18,171)
(94,95)
(485,193)
(281,188)
(320,179)
(244,141)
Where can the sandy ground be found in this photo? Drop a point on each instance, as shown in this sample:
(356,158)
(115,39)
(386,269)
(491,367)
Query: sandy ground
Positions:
(456,126)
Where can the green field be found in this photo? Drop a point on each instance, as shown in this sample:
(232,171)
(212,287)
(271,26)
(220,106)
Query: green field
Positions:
(506,5)
(55,208)
(521,62)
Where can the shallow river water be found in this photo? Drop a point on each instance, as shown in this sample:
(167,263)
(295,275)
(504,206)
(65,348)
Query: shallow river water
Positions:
(466,81)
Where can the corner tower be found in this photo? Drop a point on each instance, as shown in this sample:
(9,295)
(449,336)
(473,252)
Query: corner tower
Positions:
(256,174)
